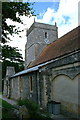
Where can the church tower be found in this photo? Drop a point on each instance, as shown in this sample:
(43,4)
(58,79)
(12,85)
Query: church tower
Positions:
(38,36)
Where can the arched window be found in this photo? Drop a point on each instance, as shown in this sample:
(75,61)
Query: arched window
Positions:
(45,34)
(21,84)
(31,86)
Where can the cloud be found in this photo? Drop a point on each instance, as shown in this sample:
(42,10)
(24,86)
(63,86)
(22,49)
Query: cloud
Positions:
(20,41)
(48,15)
(66,16)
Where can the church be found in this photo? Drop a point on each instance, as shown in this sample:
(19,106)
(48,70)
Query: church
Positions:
(52,69)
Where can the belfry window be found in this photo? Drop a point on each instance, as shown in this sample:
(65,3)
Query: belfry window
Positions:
(45,34)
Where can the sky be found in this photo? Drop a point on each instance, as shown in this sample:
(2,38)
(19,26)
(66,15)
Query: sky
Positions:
(63,12)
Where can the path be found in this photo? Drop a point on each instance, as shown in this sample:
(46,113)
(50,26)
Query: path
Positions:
(13,102)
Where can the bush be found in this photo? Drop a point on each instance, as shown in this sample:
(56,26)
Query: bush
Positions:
(34,110)
(32,106)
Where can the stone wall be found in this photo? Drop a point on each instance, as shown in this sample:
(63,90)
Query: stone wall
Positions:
(14,88)
(33,94)
(20,87)
(61,83)
(36,40)
(9,71)
(57,81)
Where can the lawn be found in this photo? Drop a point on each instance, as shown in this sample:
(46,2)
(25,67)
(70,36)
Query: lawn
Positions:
(5,104)
(6,110)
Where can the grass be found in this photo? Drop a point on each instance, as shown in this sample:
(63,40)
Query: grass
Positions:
(6,110)
(6,104)
(33,108)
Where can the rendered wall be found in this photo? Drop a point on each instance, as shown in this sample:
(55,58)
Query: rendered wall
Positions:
(65,90)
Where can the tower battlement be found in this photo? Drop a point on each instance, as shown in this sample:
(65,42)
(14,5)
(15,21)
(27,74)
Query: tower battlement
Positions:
(41,25)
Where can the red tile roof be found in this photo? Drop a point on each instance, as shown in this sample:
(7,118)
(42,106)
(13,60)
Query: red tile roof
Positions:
(64,45)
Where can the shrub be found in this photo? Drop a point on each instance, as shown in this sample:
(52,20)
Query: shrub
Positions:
(31,106)
(34,110)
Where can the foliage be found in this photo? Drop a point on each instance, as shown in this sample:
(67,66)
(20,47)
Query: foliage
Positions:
(11,56)
(9,10)
(29,104)
(34,110)
(11,53)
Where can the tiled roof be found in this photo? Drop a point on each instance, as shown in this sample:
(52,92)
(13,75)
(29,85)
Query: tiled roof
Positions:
(68,43)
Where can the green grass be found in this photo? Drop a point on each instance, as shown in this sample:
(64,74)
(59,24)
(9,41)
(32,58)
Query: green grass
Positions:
(6,104)
(6,111)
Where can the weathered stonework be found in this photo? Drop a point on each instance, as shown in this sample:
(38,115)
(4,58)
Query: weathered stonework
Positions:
(9,71)
(36,40)
(55,80)
(70,71)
